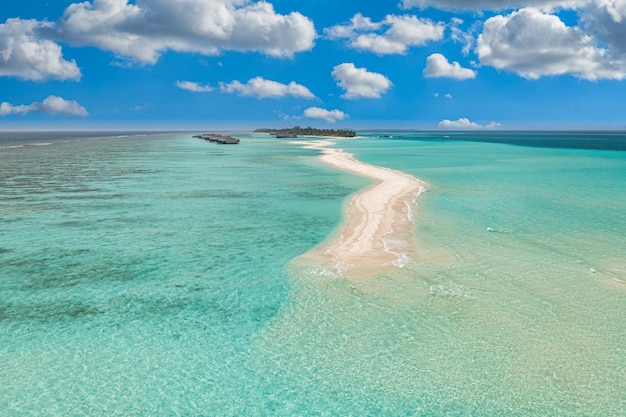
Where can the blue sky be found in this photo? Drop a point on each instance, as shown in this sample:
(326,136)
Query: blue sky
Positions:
(421,64)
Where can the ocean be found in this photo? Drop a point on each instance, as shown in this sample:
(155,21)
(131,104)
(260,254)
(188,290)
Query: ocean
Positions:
(152,274)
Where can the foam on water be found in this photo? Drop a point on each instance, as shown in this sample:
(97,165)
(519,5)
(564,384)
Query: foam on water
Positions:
(393,246)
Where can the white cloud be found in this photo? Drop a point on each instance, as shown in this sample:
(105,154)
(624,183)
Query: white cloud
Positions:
(401,32)
(53,105)
(24,54)
(143,30)
(194,87)
(533,44)
(607,20)
(359,82)
(437,66)
(466,37)
(466,124)
(447,95)
(7,109)
(479,5)
(358,23)
(331,116)
(59,106)
(261,88)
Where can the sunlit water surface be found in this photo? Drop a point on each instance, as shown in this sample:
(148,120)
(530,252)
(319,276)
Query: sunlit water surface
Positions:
(151,275)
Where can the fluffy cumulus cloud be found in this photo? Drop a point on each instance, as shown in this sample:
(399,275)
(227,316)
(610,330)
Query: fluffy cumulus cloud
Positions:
(437,66)
(394,35)
(606,19)
(25,54)
(144,29)
(331,116)
(533,44)
(488,4)
(359,82)
(194,87)
(261,88)
(466,124)
(53,105)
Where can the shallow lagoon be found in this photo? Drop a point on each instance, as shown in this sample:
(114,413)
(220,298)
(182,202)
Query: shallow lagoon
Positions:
(151,275)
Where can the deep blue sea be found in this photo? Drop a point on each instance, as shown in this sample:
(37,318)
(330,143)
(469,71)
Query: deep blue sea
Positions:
(150,274)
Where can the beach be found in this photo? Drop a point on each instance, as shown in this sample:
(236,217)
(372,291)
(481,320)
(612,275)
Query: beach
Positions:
(377,233)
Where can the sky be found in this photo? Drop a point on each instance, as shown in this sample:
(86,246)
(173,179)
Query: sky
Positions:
(361,64)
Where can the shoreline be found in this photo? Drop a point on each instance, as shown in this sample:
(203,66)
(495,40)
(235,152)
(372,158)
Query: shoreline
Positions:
(377,233)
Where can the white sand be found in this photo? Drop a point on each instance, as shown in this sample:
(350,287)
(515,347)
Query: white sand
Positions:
(377,234)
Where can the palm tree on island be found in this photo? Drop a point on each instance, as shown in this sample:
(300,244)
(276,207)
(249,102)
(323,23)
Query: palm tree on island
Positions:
(296,131)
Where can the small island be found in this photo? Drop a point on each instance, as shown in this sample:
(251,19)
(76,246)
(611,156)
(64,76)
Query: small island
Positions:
(294,132)
(217,138)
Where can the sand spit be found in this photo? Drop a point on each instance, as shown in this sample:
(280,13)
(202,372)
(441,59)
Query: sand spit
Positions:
(377,234)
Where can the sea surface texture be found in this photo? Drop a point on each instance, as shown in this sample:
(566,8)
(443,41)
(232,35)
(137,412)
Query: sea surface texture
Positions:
(145,275)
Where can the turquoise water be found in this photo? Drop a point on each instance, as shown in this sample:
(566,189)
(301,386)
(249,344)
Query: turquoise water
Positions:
(151,275)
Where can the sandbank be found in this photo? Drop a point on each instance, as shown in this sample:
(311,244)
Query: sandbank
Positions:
(377,234)
(326,138)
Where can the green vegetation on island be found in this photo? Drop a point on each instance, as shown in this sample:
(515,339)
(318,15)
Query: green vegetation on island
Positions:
(296,131)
